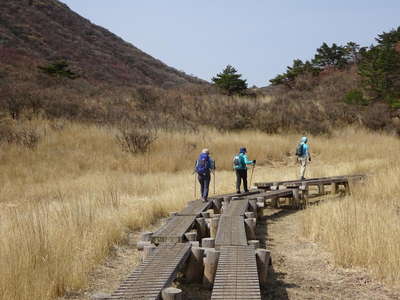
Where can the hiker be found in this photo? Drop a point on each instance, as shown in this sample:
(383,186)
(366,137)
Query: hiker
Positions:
(204,166)
(303,155)
(240,163)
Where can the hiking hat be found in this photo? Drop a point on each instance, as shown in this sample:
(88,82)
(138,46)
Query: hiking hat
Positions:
(304,139)
(205,150)
(243,150)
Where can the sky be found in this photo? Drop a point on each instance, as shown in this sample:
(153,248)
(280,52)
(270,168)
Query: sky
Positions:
(258,37)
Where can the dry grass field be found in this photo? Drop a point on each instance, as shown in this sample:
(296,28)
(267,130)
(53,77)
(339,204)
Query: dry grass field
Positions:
(64,204)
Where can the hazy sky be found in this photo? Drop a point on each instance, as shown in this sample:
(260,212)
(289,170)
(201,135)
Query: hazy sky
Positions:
(258,37)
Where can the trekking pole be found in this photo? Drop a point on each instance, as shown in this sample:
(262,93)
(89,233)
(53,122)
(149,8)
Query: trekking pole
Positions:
(195,194)
(252,172)
(214,181)
(214,176)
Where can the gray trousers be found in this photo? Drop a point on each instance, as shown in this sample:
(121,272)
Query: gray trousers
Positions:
(303,165)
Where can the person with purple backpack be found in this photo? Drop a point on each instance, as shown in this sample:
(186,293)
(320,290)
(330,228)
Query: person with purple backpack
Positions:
(203,167)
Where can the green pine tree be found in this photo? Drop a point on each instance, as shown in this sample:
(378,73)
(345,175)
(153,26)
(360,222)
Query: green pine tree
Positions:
(390,38)
(380,72)
(334,56)
(230,82)
(353,52)
(292,72)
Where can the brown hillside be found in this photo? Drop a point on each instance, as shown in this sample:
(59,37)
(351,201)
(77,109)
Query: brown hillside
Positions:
(36,32)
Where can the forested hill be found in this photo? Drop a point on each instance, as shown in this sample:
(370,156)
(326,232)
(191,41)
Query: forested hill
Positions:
(37,32)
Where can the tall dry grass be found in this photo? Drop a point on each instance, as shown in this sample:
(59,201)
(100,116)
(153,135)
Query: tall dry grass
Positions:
(66,203)
(362,230)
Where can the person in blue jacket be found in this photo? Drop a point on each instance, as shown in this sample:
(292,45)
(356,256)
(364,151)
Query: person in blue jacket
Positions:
(204,166)
(303,156)
(240,163)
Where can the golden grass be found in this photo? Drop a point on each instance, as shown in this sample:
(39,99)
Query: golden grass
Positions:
(363,230)
(66,203)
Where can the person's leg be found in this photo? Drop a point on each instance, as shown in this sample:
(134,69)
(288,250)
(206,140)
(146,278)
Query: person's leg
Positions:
(201,180)
(303,165)
(238,181)
(207,179)
(244,176)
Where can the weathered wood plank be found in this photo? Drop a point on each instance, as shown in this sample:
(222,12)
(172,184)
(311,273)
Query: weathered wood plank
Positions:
(195,208)
(174,230)
(250,192)
(154,274)
(231,232)
(237,208)
(236,276)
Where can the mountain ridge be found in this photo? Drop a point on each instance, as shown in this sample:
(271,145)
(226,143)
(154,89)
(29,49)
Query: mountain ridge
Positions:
(48,30)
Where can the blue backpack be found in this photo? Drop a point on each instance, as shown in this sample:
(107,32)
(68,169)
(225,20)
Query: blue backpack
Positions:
(203,164)
(238,162)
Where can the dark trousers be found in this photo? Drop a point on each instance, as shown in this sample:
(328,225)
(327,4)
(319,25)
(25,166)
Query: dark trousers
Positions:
(241,174)
(204,180)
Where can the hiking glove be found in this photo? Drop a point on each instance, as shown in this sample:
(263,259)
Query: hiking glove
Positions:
(254,161)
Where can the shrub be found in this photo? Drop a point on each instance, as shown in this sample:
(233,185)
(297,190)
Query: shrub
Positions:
(20,135)
(355,97)
(377,117)
(134,140)
(59,69)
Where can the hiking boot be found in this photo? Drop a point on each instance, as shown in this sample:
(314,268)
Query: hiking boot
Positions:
(246,191)
(237,192)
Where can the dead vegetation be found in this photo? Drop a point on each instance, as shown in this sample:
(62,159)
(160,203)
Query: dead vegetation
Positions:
(66,203)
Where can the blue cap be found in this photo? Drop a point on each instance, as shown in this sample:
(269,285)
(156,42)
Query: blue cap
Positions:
(243,150)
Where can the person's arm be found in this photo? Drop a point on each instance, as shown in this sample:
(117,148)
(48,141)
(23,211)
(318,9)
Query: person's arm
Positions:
(247,161)
(308,153)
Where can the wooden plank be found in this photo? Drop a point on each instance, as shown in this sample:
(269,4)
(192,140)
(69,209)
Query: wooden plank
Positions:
(231,232)
(250,192)
(236,276)
(273,194)
(154,274)
(194,208)
(277,194)
(174,230)
(237,208)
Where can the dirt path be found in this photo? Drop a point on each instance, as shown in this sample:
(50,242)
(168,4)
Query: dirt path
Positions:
(302,270)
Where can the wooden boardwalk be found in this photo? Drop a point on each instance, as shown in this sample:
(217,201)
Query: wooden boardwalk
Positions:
(236,208)
(236,276)
(154,274)
(231,232)
(195,208)
(174,230)
(312,181)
